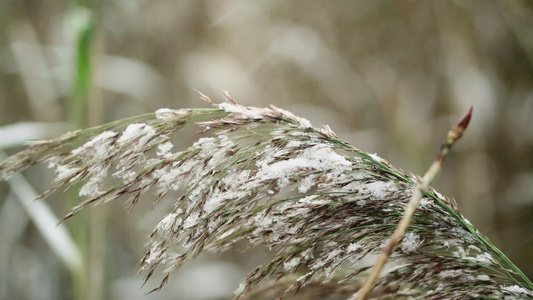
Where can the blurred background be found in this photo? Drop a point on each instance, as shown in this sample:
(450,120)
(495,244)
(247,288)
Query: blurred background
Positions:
(390,77)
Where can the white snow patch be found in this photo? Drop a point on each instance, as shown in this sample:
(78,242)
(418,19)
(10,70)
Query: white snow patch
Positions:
(96,177)
(125,174)
(410,242)
(293,144)
(425,202)
(485,258)
(305,276)
(380,189)
(516,289)
(451,274)
(314,200)
(98,146)
(155,255)
(483,277)
(247,112)
(376,157)
(304,123)
(291,264)
(164,149)
(240,289)
(306,183)
(353,247)
(139,131)
(192,220)
(165,113)
(166,225)
(214,202)
(65,172)
(318,157)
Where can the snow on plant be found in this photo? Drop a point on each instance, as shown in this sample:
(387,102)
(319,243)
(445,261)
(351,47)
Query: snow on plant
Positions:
(264,176)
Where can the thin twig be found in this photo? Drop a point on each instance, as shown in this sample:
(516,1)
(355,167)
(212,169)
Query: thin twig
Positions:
(453,135)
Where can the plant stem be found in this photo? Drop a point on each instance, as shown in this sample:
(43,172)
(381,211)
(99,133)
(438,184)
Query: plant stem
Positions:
(78,118)
(453,135)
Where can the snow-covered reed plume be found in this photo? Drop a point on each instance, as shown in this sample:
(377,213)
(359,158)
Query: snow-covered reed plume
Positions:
(263,176)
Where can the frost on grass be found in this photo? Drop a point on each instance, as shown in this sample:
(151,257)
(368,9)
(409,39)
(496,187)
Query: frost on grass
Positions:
(264,176)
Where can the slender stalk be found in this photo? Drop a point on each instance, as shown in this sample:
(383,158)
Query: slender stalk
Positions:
(453,135)
(99,216)
(78,118)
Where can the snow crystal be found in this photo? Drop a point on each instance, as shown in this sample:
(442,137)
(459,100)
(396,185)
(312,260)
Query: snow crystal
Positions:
(213,202)
(306,183)
(463,234)
(483,277)
(485,258)
(461,253)
(240,289)
(291,264)
(213,151)
(472,247)
(293,144)
(165,113)
(425,202)
(97,146)
(516,289)
(304,123)
(319,157)
(264,221)
(138,131)
(192,220)
(314,200)
(168,178)
(125,174)
(325,156)
(236,177)
(376,157)
(220,151)
(305,276)
(353,247)
(65,172)
(272,238)
(167,223)
(96,177)
(459,274)
(154,256)
(451,274)
(164,149)
(459,232)
(206,143)
(247,112)
(318,264)
(331,256)
(410,242)
(91,188)
(380,189)
(307,254)
(439,195)
(294,229)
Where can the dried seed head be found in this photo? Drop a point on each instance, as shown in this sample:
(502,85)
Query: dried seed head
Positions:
(319,204)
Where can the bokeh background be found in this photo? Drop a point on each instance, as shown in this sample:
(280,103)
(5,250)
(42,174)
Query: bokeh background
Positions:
(388,76)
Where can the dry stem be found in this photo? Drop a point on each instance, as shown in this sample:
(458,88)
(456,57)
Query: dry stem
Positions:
(453,135)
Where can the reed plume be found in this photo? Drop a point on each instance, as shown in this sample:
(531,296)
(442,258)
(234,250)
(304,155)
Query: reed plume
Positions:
(264,176)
